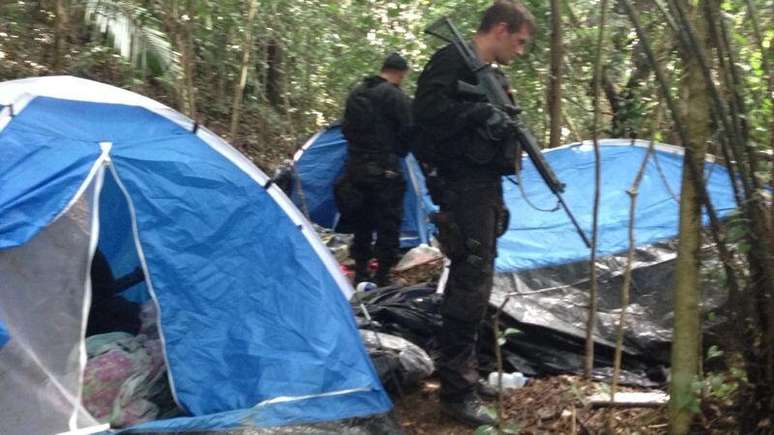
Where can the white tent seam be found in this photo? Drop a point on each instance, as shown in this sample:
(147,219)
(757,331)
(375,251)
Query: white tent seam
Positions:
(151,290)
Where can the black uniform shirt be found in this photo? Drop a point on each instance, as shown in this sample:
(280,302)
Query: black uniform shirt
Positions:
(391,122)
(441,112)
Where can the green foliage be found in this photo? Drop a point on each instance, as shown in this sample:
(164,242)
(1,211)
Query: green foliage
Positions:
(485,430)
(326,46)
(135,33)
(508,427)
(503,337)
(721,386)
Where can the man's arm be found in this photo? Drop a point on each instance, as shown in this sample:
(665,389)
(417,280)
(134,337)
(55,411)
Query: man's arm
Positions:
(399,112)
(436,102)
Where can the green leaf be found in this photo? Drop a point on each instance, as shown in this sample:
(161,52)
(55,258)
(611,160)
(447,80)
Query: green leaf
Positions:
(485,430)
(511,331)
(713,352)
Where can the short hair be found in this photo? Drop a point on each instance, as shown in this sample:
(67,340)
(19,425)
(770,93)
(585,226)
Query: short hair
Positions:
(395,61)
(511,12)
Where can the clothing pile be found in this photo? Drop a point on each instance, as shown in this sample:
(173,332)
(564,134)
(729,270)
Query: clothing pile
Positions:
(125,380)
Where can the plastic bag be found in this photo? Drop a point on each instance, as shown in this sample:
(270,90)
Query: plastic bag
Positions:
(397,359)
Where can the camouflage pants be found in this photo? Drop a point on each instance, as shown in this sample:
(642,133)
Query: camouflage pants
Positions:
(472,216)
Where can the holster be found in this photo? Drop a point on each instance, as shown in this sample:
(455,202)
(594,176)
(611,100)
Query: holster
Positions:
(449,234)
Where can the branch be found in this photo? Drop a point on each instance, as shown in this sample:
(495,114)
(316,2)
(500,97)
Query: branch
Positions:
(693,166)
(591,320)
(626,283)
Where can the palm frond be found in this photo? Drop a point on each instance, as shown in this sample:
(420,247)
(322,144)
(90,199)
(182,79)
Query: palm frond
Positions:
(135,33)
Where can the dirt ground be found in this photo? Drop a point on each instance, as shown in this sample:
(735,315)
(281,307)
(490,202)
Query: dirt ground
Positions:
(551,405)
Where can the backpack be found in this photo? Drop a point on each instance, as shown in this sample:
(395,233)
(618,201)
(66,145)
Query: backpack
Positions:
(359,115)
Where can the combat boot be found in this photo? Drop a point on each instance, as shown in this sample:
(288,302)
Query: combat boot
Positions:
(486,391)
(382,277)
(361,272)
(470,410)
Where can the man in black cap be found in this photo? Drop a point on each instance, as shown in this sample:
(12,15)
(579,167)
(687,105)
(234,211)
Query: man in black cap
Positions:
(369,195)
(464,162)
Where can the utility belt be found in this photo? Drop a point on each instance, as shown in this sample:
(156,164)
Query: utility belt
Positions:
(366,164)
(366,171)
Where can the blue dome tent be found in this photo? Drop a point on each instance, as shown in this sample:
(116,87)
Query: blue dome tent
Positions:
(253,312)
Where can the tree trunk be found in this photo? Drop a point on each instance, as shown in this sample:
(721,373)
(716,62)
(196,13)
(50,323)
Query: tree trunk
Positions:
(181,33)
(189,60)
(555,77)
(239,88)
(60,34)
(686,339)
(274,88)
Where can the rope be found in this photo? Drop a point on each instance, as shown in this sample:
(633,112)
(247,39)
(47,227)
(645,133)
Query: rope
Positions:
(520,184)
(664,180)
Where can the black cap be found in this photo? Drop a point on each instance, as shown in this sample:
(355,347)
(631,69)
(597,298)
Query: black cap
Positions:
(395,61)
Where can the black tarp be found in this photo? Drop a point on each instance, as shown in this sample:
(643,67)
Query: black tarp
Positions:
(548,307)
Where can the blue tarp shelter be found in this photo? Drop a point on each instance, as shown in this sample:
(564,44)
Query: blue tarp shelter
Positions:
(538,238)
(253,311)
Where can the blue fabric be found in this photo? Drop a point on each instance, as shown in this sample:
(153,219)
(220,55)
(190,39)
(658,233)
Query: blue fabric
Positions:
(41,168)
(301,411)
(248,310)
(323,161)
(416,227)
(318,167)
(4,335)
(117,241)
(536,239)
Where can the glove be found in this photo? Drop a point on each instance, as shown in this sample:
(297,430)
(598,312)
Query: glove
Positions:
(497,125)
(478,114)
(491,120)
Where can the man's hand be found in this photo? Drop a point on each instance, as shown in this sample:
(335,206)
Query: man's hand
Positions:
(498,124)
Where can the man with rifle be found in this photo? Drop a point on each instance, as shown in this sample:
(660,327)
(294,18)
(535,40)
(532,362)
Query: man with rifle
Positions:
(466,143)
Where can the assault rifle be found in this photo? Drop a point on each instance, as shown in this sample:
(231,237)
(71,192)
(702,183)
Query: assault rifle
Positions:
(489,87)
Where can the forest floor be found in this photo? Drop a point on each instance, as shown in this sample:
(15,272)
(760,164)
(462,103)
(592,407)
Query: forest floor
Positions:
(552,405)
(548,405)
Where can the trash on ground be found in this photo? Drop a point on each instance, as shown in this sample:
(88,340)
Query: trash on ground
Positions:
(630,399)
(510,381)
(420,255)
(397,360)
